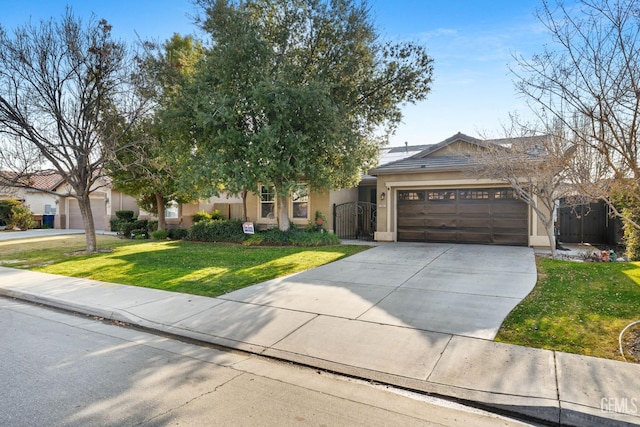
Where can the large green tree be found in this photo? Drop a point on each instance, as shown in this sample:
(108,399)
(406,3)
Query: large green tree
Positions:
(151,159)
(297,91)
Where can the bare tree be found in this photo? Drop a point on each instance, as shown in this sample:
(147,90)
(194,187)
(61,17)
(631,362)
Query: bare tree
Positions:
(67,96)
(588,80)
(535,166)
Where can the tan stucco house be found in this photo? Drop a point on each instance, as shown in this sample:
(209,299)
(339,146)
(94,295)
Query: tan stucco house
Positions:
(49,195)
(425,193)
(431,196)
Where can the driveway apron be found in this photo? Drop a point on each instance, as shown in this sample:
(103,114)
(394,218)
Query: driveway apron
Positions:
(464,290)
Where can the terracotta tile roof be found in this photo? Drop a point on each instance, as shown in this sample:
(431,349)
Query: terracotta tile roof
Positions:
(44,180)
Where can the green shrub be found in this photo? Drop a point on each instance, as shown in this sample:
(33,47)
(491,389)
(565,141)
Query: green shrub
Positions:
(217,231)
(21,217)
(139,234)
(304,238)
(6,207)
(127,228)
(125,215)
(115,224)
(178,233)
(631,237)
(152,225)
(201,216)
(271,237)
(160,235)
(216,215)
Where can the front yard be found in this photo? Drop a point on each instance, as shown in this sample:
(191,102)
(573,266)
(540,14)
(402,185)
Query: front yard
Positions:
(209,269)
(577,308)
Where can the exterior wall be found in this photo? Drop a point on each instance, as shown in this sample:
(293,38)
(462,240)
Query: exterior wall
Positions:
(538,235)
(390,184)
(186,210)
(322,202)
(60,219)
(120,202)
(455,148)
(343,196)
(317,202)
(367,193)
(36,201)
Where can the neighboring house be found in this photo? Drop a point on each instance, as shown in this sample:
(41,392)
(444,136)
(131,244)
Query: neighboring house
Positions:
(431,196)
(49,195)
(179,215)
(37,199)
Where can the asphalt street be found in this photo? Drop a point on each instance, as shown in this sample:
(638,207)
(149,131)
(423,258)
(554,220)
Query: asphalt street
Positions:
(60,369)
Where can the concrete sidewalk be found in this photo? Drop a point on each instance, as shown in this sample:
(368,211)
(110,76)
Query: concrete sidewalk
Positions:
(349,329)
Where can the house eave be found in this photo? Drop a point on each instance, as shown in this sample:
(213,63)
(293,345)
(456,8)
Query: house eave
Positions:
(375,172)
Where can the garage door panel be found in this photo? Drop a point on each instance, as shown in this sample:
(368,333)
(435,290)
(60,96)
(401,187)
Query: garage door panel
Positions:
(470,236)
(440,209)
(441,222)
(473,223)
(508,223)
(412,220)
(442,235)
(464,216)
(514,208)
(97,211)
(510,239)
(471,209)
(411,235)
(411,223)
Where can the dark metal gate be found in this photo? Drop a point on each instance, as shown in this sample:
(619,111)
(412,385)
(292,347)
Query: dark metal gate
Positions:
(588,223)
(355,220)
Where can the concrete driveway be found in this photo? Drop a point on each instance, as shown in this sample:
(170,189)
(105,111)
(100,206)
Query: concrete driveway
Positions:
(464,290)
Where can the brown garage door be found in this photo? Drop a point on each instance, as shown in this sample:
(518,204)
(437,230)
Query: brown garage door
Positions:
(487,215)
(98,210)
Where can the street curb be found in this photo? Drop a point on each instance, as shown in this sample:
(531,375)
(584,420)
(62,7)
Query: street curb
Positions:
(540,410)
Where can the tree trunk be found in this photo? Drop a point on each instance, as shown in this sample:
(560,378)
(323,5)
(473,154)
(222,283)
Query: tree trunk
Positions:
(162,222)
(548,225)
(283,212)
(244,193)
(84,203)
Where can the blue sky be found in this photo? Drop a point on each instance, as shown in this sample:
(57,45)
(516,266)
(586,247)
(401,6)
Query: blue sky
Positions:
(471,41)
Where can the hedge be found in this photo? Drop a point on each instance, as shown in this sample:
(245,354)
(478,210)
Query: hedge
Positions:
(217,231)
(306,238)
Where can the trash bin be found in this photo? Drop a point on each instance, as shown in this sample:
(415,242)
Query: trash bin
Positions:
(48,221)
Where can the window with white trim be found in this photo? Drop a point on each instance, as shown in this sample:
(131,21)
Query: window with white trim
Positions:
(300,201)
(171,210)
(267,201)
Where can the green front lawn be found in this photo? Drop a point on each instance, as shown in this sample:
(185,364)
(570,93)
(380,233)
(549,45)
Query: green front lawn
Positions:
(209,269)
(576,308)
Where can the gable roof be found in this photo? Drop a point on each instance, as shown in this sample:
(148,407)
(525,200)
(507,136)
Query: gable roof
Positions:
(459,137)
(393,154)
(424,161)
